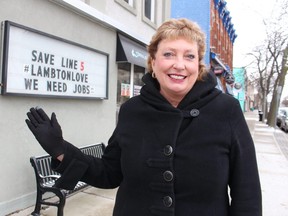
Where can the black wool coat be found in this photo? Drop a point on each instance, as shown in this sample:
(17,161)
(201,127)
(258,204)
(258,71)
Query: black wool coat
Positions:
(196,159)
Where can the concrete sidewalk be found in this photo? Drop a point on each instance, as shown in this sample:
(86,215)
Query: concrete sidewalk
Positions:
(271,148)
(89,202)
(272,155)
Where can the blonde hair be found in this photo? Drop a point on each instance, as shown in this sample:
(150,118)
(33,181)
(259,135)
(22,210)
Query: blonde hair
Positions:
(173,29)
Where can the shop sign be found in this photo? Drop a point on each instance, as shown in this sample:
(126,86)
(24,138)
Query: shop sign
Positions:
(39,64)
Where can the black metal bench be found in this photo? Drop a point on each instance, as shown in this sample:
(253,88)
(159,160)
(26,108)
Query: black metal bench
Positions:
(46,177)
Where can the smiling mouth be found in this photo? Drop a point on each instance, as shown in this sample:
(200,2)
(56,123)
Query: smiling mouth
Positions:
(178,77)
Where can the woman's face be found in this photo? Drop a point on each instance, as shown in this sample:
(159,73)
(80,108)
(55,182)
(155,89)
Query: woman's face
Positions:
(176,67)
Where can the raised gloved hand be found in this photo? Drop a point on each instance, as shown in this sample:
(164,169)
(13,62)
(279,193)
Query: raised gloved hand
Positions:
(47,132)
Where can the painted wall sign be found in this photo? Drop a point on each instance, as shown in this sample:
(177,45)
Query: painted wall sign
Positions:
(39,64)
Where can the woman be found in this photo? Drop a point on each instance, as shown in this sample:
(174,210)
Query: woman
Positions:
(180,148)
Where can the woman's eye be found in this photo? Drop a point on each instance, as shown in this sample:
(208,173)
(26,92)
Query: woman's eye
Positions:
(168,54)
(190,56)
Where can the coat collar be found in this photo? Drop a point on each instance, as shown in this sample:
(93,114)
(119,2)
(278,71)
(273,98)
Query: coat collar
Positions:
(201,93)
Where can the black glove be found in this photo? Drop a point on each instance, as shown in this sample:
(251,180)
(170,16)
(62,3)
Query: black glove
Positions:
(47,132)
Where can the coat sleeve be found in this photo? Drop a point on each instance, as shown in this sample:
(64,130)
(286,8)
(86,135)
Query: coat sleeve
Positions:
(244,183)
(76,166)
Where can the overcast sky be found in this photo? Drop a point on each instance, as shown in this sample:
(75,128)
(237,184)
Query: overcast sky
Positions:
(247,17)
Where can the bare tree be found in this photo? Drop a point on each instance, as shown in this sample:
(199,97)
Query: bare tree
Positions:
(281,71)
(261,75)
(270,64)
(278,49)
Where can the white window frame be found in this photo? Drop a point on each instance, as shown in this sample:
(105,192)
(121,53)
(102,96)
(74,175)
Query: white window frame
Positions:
(152,21)
(130,5)
(130,2)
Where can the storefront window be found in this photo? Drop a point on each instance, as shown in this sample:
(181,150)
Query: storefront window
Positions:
(129,81)
(123,83)
(138,83)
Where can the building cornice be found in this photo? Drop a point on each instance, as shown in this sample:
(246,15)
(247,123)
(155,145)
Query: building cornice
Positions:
(96,16)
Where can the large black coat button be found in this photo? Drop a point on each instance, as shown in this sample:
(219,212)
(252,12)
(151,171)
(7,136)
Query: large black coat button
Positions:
(167,201)
(168,150)
(194,112)
(168,176)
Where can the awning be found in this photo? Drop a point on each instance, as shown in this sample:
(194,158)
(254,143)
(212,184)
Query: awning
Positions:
(214,56)
(130,51)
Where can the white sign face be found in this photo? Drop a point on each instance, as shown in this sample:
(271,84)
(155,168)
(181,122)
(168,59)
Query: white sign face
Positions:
(39,64)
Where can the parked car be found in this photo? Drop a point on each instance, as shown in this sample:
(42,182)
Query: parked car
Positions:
(282,118)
